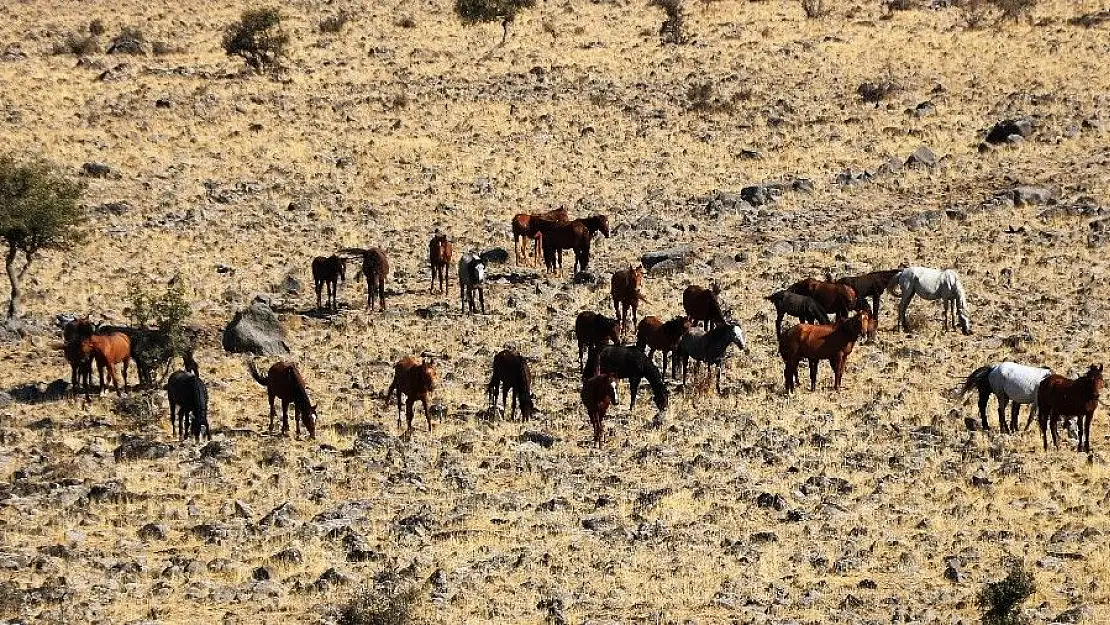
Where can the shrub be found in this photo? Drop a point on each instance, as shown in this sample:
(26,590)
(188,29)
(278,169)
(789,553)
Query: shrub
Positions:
(976,12)
(258,38)
(12,600)
(998,600)
(96,28)
(903,5)
(371,606)
(673,29)
(814,9)
(335,23)
(128,41)
(406,21)
(486,11)
(79,45)
(159,325)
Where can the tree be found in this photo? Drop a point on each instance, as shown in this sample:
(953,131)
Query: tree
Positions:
(485,11)
(38,211)
(258,38)
(158,331)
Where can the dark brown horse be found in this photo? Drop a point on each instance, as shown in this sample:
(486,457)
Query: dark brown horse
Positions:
(375,266)
(820,342)
(839,299)
(1059,397)
(527,226)
(701,304)
(804,307)
(568,236)
(74,334)
(440,254)
(415,379)
(329,271)
(107,350)
(594,331)
(511,373)
(598,393)
(871,284)
(284,381)
(654,334)
(624,288)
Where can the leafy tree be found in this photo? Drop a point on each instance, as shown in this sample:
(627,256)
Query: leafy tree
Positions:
(486,11)
(158,330)
(38,211)
(258,38)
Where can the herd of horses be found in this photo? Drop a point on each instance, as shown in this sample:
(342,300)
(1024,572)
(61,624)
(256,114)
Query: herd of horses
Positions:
(833,315)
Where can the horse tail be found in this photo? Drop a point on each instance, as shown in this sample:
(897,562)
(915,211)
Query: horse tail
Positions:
(978,379)
(264,381)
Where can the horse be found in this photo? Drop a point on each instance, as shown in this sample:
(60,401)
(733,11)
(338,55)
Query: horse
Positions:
(440,253)
(284,381)
(654,334)
(375,266)
(624,287)
(511,373)
(593,330)
(710,348)
(329,271)
(472,277)
(525,226)
(1058,397)
(804,307)
(631,364)
(871,284)
(932,284)
(1009,382)
(839,299)
(701,304)
(556,237)
(415,380)
(817,343)
(188,397)
(107,350)
(598,393)
(74,334)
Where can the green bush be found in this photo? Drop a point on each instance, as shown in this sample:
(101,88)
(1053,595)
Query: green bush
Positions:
(258,38)
(159,326)
(486,11)
(371,606)
(998,600)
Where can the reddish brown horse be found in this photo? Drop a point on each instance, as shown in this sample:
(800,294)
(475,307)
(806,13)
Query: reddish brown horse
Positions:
(624,288)
(511,373)
(375,266)
(329,271)
(576,235)
(598,393)
(284,381)
(415,379)
(819,342)
(1059,397)
(440,253)
(594,331)
(872,285)
(527,226)
(654,334)
(839,299)
(107,350)
(701,304)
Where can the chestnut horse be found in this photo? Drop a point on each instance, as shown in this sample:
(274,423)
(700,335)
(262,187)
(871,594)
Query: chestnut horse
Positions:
(107,350)
(701,304)
(624,287)
(440,253)
(415,380)
(511,373)
(375,266)
(1060,397)
(598,393)
(284,381)
(526,226)
(594,331)
(817,343)
(654,334)
(839,299)
(329,271)
(871,284)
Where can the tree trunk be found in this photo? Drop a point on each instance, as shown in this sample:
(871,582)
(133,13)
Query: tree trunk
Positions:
(13,278)
(30,257)
(505,30)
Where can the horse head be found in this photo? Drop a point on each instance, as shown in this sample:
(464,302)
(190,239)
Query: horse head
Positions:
(965,324)
(738,336)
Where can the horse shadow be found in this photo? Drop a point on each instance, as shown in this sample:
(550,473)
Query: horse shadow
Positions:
(38,392)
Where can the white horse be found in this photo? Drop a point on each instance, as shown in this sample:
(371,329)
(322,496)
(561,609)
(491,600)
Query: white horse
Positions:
(472,277)
(932,284)
(1009,382)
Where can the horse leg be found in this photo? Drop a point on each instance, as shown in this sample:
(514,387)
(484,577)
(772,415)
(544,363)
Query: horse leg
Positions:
(1042,423)
(319,288)
(1054,422)
(984,397)
(719,377)
(424,402)
(813,363)
(1015,408)
(271,429)
(381,292)
(284,417)
(1085,432)
(778,322)
(409,402)
(482,298)
(1002,426)
(399,410)
(173,418)
(907,297)
(125,386)
(633,386)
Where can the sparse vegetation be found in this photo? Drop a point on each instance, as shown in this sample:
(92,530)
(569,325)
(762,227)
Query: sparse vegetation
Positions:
(815,9)
(673,29)
(128,41)
(76,44)
(703,97)
(979,12)
(166,314)
(334,24)
(258,38)
(373,606)
(96,28)
(486,11)
(1000,601)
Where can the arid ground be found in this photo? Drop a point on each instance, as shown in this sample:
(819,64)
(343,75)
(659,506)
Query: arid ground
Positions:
(872,505)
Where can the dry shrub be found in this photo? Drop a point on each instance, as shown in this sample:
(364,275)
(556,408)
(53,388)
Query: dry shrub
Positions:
(903,5)
(372,606)
(96,28)
(334,24)
(673,29)
(815,9)
(79,45)
(257,37)
(999,600)
(977,13)
(703,97)
(12,600)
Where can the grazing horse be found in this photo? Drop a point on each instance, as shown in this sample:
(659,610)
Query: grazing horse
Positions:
(654,334)
(472,278)
(375,266)
(871,284)
(556,237)
(932,284)
(625,290)
(817,343)
(598,393)
(804,307)
(631,364)
(593,330)
(511,373)
(526,226)
(284,381)
(107,350)
(1060,397)
(440,254)
(1009,382)
(189,400)
(701,304)
(74,334)
(329,271)
(415,380)
(710,348)
(839,299)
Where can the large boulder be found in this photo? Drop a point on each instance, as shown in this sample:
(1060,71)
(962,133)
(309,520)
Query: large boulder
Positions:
(1003,130)
(256,330)
(680,256)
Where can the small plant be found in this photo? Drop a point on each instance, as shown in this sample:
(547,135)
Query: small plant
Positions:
(80,45)
(335,23)
(673,29)
(999,600)
(12,600)
(371,606)
(406,21)
(128,41)
(815,9)
(977,12)
(96,28)
(486,11)
(159,326)
(258,38)
(903,5)
(880,89)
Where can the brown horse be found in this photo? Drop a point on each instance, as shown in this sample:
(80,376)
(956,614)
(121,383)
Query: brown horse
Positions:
(284,381)
(598,393)
(624,288)
(820,342)
(329,271)
(415,380)
(567,236)
(375,266)
(440,253)
(839,299)
(511,373)
(654,334)
(1058,396)
(107,350)
(701,304)
(594,331)
(526,226)
(74,334)
(871,285)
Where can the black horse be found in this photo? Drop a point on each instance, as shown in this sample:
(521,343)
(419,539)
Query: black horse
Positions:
(709,347)
(189,400)
(631,364)
(804,307)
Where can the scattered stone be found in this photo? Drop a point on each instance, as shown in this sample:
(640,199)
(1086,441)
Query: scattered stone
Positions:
(243,510)
(5,400)
(1026,195)
(802,185)
(292,555)
(867,584)
(926,220)
(256,330)
(923,109)
(291,285)
(922,157)
(261,574)
(495,255)
(153,531)
(1001,132)
(1078,614)
(953,570)
(211,532)
(723,201)
(762,194)
(547,441)
(586,277)
(114,208)
(140,448)
(331,578)
(779,248)
(764,537)
(767,500)
(680,256)
(281,516)
(218,450)
(96,170)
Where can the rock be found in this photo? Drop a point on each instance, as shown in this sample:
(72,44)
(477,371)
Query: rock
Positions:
(153,531)
(762,194)
(114,208)
(764,537)
(971,424)
(211,532)
(435,310)
(292,555)
(1000,132)
(724,262)
(767,500)
(1015,140)
(802,185)
(128,42)
(681,256)
(331,578)
(1026,195)
(553,608)
(723,201)
(256,330)
(495,255)
(243,510)
(291,285)
(923,109)
(867,584)
(1078,614)
(985,148)
(779,248)
(547,441)
(5,400)
(96,170)
(663,268)
(891,166)
(281,516)
(953,570)
(261,574)
(926,220)
(849,177)
(140,448)
(218,450)
(586,277)
(922,157)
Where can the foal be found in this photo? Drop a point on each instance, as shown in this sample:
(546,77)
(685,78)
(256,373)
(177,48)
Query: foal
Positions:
(598,393)
(440,253)
(817,343)
(804,307)
(416,381)
(594,331)
(654,334)
(284,381)
(329,271)
(511,373)
(701,304)
(625,290)
(1060,397)
(375,266)
(472,277)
